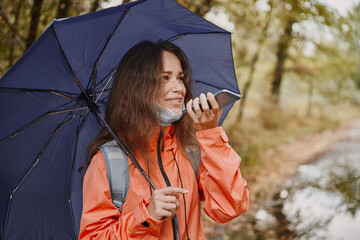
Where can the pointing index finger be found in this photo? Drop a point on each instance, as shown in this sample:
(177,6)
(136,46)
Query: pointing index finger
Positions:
(174,191)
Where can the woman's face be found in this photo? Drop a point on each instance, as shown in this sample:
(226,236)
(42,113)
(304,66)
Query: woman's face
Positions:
(172,78)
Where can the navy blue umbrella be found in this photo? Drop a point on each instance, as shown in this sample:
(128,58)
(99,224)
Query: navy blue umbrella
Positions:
(52,99)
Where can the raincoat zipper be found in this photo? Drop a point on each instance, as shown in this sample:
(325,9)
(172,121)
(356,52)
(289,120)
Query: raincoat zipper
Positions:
(160,149)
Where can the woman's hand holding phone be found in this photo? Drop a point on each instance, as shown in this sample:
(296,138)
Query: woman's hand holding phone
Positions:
(204,117)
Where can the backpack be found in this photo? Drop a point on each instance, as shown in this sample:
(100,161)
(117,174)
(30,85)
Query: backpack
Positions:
(118,171)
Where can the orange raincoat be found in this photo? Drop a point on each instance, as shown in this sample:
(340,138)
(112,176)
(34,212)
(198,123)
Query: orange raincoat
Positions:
(219,183)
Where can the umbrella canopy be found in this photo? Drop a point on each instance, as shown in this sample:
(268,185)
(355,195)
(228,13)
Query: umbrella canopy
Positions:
(46,99)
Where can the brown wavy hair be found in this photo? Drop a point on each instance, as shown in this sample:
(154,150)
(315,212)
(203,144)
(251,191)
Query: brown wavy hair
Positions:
(132,111)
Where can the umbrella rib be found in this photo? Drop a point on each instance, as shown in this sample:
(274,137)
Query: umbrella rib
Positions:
(108,40)
(73,169)
(68,64)
(60,94)
(69,110)
(41,152)
(103,49)
(35,163)
(184,34)
(103,89)
(50,113)
(64,96)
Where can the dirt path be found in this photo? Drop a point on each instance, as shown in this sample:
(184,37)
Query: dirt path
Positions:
(281,164)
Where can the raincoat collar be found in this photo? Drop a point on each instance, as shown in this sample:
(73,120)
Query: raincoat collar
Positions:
(169,139)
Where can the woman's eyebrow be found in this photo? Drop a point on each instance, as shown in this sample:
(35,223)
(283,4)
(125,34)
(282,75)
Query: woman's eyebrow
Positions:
(170,72)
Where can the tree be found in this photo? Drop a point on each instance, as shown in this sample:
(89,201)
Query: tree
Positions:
(252,68)
(12,41)
(95,5)
(22,21)
(353,37)
(13,34)
(34,22)
(291,12)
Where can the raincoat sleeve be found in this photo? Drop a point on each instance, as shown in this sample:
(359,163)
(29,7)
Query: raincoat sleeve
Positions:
(220,182)
(101,219)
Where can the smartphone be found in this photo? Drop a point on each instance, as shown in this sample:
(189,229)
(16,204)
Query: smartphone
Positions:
(223,97)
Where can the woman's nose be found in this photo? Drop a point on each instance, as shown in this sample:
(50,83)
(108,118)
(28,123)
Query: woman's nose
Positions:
(176,85)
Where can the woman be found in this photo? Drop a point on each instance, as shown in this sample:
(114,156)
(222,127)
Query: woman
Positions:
(145,110)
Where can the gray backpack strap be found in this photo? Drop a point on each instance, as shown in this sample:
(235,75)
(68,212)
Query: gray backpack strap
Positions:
(117,172)
(194,156)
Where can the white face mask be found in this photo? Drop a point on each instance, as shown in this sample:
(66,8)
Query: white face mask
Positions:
(167,117)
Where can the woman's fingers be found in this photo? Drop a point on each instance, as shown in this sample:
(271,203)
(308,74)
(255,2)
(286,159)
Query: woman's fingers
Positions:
(167,209)
(204,117)
(205,106)
(164,202)
(190,110)
(214,104)
(196,106)
(172,207)
(172,190)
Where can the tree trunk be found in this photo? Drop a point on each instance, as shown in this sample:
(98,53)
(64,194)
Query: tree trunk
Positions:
(63,9)
(281,54)
(13,34)
(252,69)
(95,5)
(310,95)
(34,22)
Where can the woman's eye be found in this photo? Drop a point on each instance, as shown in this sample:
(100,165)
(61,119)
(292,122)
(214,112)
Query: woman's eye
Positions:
(181,79)
(164,77)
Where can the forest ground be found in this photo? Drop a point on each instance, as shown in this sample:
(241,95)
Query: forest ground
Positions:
(276,166)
